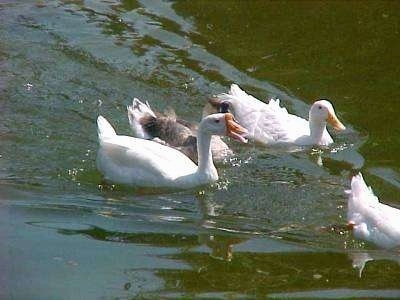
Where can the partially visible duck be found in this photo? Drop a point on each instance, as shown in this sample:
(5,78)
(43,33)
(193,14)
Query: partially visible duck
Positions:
(145,163)
(369,219)
(169,130)
(269,123)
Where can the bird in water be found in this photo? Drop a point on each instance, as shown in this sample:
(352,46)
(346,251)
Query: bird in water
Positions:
(172,131)
(269,123)
(145,163)
(369,219)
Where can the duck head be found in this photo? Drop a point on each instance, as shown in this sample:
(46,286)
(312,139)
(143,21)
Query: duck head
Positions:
(224,124)
(322,112)
(224,107)
(216,105)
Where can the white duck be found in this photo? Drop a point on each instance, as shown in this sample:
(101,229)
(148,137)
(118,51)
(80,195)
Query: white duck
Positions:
(139,162)
(369,219)
(169,130)
(269,123)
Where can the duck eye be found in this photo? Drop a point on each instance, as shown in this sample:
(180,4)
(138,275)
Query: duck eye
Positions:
(216,121)
(319,107)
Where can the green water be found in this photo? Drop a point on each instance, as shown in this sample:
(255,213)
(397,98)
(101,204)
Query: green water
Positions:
(271,226)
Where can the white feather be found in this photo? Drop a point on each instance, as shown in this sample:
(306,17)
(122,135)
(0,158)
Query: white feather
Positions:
(269,123)
(140,162)
(136,112)
(372,221)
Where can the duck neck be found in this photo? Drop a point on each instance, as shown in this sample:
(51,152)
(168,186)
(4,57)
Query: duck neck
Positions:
(317,128)
(205,160)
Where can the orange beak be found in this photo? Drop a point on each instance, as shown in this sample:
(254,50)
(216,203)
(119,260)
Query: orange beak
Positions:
(234,130)
(334,121)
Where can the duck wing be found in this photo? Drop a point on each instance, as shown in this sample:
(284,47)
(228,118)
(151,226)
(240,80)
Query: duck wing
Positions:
(266,122)
(374,221)
(190,125)
(131,160)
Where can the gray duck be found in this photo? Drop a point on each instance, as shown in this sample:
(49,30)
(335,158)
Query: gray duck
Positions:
(166,128)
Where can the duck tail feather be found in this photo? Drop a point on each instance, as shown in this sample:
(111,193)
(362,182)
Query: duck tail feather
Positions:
(359,189)
(139,109)
(237,91)
(104,128)
(139,113)
(274,101)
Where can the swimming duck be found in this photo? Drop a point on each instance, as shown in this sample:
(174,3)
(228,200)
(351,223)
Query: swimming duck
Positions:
(140,162)
(171,131)
(369,219)
(269,123)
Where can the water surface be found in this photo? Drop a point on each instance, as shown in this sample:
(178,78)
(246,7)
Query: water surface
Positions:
(271,226)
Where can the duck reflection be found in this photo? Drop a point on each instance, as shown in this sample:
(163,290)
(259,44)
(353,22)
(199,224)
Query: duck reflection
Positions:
(253,272)
(221,246)
(361,258)
(337,160)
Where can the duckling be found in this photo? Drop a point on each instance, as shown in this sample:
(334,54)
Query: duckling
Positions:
(172,131)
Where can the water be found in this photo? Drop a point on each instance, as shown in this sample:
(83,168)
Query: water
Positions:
(271,226)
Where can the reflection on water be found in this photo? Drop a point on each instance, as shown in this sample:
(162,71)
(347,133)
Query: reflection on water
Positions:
(361,258)
(264,272)
(268,273)
(267,227)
